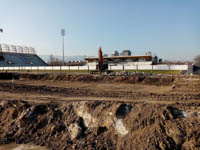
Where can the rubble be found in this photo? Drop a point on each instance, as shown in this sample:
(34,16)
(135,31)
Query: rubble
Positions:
(75,131)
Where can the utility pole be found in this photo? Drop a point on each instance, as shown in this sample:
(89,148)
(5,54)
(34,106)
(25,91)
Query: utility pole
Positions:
(63,44)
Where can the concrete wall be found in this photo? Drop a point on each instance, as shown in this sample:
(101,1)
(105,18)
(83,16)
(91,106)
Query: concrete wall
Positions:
(152,67)
(130,63)
(50,68)
(187,68)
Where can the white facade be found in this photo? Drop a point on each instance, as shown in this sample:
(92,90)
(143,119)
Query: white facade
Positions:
(130,63)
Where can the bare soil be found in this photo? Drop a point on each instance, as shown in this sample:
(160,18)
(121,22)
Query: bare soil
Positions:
(100,111)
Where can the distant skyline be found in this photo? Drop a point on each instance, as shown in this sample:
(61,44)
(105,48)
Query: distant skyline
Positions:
(169,29)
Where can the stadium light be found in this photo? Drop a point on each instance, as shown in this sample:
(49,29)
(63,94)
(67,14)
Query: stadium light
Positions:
(63,44)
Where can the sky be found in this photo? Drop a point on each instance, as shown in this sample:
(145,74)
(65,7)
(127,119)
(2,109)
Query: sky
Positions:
(169,29)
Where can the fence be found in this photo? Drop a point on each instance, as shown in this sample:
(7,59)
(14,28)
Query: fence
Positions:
(152,67)
(188,68)
(49,68)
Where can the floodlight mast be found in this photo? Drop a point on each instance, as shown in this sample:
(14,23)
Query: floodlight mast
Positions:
(63,44)
(1,31)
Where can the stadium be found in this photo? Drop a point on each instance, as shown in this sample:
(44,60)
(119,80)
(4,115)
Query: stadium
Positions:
(15,56)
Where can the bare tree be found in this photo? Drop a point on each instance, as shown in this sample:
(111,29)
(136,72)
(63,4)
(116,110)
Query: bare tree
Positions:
(197,58)
(53,61)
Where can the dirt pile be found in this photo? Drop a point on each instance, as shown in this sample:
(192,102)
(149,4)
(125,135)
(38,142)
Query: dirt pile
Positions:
(101,125)
(135,78)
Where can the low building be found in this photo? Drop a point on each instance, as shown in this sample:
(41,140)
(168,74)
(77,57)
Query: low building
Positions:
(125,53)
(115,53)
(196,68)
(121,60)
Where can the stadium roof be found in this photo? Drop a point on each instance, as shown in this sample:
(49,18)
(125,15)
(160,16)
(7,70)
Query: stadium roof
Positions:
(16,49)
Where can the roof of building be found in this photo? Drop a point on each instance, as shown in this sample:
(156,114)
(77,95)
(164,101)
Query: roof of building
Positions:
(16,49)
(121,57)
(197,64)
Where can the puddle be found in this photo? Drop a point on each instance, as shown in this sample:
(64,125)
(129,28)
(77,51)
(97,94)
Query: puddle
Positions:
(21,147)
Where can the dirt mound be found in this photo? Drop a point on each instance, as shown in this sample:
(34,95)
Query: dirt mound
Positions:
(8,76)
(136,78)
(100,125)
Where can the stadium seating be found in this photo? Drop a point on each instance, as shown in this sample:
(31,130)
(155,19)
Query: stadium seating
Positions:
(20,59)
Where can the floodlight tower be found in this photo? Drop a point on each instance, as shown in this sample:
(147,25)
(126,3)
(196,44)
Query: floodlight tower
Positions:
(63,44)
(1,31)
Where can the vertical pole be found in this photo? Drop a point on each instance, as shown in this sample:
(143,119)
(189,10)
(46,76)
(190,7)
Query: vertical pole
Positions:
(63,44)
(63,50)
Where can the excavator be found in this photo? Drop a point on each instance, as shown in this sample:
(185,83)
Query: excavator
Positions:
(100,61)
(100,68)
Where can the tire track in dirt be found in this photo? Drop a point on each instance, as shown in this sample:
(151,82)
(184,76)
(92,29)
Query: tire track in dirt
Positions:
(80,92)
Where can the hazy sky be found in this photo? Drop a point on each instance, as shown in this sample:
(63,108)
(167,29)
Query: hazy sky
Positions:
(168,28)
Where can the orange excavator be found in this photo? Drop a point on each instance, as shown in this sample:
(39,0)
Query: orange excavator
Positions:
(101,63)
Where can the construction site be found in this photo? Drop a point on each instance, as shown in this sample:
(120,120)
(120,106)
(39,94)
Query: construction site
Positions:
(85,111)
(99,105)
(99,75)
(60,107)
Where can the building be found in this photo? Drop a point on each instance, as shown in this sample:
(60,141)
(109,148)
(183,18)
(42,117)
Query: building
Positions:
(125,53)
(115,53)
(11,56)
(196,67)
(122,60)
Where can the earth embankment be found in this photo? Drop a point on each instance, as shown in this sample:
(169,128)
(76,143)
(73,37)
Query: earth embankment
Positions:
(100,125)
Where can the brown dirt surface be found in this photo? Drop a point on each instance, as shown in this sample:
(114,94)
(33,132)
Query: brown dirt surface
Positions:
(100,112)
(103,125)
(142,79)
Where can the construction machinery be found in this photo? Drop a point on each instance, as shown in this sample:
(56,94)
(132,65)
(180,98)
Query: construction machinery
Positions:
(100,63)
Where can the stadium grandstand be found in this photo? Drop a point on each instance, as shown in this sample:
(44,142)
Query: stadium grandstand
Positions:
(11,56)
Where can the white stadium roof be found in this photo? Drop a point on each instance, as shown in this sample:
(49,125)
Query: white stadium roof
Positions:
(16,49)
